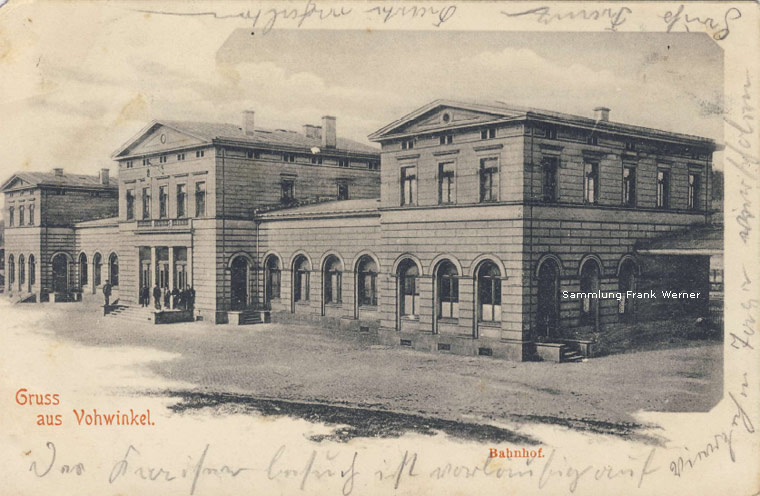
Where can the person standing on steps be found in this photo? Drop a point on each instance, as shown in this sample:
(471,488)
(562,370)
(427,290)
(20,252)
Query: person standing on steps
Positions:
(157,296)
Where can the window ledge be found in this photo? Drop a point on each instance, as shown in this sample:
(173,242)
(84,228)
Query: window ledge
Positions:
(447,320)
(488,323)
(411,318)
(368,308)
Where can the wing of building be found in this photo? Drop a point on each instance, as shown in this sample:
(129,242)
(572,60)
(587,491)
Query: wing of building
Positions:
(481,218)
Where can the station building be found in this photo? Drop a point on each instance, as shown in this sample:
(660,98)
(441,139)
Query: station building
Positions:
(461,233)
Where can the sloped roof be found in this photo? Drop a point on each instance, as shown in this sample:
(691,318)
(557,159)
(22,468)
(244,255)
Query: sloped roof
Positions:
(51,179)
(328,208)
(698,239)
(209,131)
(507,110)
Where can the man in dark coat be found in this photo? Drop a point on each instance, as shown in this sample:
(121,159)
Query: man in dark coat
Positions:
(106,296)
(145,296)
(175,298)
(157,296)
(191,298)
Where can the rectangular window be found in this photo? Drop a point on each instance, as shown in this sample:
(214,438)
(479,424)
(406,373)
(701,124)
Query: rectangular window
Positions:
(489,170)
(374,165)
(199,154)
(200,199)
(342,191)
(549,166)
(333,287)
(11,220)
(446,184)
(343,162)
(367,289)
(446,139)
(288,190)
(163,201)
(181,200)
(301,285)
(591,183)
(489,297)
(288,157)
(130,204)
(21,216)
(410,291)
(316,160)
(489,133)
(407,144)
(629,186)
(592,139)
(180,157)
(146,203)
(694,191)
(449,297)
(129,164)
(663,188)
(253,154)
(162,159)
(409,186)
(146,161)
(550,132)
(630,146)
(31,215)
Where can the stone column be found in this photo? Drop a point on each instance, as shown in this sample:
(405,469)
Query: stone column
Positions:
(91,275)
(189,275)
(171,275)
(153,275)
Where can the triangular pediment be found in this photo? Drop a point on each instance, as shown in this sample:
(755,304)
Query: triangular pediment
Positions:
(440,115)
(15,182)
(156,138)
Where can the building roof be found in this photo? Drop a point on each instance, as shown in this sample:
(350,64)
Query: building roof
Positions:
(509,111)
(326,209)
(700,239)
(210,131)
(54,180)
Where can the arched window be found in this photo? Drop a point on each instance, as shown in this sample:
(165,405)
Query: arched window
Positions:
(32,271)
(409,289)
(21,272)
(113,269)
(590,281)
(333,280)
(83,273)
(301,279)
(11,270)
(447,280)
(97,262)
(367,283)
(21,215)
(489,292)
(273,277)
(626,282)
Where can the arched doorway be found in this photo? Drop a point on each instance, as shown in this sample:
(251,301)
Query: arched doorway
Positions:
(11,271)
(547,313)
(21,272)
(83,272)
(332,282)
(488,281)
(272,279)
(239,270)
(97,266)
(590,283)
(408,275)
(113,269)
(446,292)
(32,272)
(60,274)
(626,282)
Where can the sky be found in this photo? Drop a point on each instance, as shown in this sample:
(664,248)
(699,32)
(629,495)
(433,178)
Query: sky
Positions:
(78,82)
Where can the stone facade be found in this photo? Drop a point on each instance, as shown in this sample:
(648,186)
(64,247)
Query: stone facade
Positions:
(480,219)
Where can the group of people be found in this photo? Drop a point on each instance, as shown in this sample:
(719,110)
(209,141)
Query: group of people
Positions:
(178,299)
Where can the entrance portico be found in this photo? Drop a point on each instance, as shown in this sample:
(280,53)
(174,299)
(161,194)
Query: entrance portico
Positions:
(168,267)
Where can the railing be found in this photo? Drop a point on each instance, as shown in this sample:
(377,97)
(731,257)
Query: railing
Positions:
(162,223)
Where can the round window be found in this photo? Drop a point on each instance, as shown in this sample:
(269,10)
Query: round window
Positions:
(446,117)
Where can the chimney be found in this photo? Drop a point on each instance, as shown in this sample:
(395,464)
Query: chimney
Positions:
(248,122)
(58,172)
(104,176)
(311,131)
(329,138)
(602,114)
